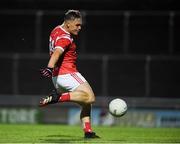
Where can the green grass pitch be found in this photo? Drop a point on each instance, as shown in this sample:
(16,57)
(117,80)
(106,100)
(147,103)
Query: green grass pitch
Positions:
(14,133)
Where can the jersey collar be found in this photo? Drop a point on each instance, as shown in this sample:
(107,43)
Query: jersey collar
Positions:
(64,29)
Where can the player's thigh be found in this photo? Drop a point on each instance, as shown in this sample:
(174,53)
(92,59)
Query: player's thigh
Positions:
(86,88)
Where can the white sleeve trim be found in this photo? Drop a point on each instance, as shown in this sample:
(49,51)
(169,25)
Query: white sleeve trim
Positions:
(65,37)
(59,47)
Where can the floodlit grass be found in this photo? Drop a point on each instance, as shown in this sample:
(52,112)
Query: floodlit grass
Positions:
(73,134)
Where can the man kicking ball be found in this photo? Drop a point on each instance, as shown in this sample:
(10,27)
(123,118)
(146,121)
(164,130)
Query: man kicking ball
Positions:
(70,85)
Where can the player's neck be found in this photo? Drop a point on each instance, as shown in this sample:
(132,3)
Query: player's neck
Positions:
(64,26)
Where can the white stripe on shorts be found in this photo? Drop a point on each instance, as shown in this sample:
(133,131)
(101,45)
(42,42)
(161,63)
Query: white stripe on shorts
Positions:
(77,78)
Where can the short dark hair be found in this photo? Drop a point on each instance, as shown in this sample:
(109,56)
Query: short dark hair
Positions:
(72,14)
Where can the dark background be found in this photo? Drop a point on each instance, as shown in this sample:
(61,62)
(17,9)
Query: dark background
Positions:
(143,5)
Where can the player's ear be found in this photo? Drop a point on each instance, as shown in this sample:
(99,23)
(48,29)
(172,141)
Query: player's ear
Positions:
(67,24)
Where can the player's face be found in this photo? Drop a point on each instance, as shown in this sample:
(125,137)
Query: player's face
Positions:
(75,26)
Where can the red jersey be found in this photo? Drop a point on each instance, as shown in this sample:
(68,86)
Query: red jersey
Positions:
(59,38)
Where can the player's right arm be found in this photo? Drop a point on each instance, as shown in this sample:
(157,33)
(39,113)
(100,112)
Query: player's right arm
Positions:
(54,58)
(47,72)
(60,45)
(56,51)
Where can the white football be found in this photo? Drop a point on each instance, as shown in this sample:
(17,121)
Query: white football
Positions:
(117,107)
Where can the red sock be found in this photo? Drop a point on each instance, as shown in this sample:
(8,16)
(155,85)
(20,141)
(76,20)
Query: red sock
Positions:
(87,127)
(64,97)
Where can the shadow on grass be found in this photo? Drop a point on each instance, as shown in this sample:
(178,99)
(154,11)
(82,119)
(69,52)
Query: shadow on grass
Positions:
(61,139)
(75,139)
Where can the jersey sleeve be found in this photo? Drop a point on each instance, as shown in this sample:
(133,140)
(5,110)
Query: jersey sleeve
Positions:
(62,43)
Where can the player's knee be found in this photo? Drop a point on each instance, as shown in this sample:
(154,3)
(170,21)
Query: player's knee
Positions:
(91,99)
(88,98)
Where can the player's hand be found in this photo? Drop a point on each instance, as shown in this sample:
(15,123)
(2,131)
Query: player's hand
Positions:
(46,72)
